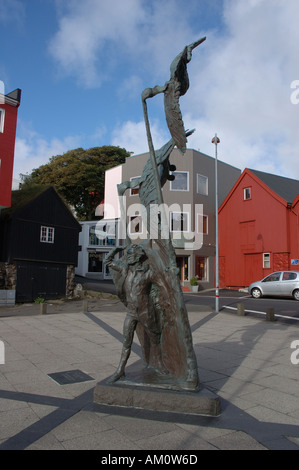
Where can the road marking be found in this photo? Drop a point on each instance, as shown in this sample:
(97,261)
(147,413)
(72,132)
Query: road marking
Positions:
(263,313)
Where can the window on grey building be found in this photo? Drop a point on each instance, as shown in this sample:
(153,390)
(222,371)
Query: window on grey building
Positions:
(180,182)
(135,225)
(202,185)
(134,191)
(179,221)
(202,224)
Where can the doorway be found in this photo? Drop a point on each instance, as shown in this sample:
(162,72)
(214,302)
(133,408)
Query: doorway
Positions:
(182,263)
(46,280)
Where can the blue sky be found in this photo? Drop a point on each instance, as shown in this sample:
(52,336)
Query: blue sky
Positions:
(83,65)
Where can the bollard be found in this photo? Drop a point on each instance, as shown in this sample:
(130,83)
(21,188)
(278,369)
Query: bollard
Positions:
(85,306)
(43,308)
(241,309)
(270,315)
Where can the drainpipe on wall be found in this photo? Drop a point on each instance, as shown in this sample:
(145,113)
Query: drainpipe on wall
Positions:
(289,212)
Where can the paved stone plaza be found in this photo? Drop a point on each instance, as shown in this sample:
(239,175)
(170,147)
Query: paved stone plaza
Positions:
(244,360)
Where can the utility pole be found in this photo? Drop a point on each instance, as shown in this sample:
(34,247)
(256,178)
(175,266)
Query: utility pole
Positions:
(216,141)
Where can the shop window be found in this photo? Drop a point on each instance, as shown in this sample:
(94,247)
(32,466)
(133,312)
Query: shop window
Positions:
(182,263)
(201,268)
(95,262)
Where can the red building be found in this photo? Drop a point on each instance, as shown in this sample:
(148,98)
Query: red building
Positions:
(258,228)
(9,105)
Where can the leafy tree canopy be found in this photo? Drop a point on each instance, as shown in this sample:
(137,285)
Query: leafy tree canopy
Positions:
(79,176)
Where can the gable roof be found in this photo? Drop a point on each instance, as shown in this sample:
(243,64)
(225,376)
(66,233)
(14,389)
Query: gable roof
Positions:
(286,188)
(25,199)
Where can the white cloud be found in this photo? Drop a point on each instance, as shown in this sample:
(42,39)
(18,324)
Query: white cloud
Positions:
(130,87)
(12,11)
(88,34)
(95,37)
(240,78)
(132,136)
(32,151)
(240,87)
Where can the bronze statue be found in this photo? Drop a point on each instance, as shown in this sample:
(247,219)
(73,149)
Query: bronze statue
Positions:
(146,276)
(135,280)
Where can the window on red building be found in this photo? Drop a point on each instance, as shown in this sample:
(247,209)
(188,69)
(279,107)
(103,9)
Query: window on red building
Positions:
(266,260)
(2,113)
(247,194)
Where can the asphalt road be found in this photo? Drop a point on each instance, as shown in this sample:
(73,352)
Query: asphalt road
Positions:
(285,309)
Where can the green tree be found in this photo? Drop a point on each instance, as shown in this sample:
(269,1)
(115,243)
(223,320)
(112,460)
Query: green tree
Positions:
(79,176)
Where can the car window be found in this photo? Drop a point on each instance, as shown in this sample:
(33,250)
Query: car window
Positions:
(272,277)
(289,276)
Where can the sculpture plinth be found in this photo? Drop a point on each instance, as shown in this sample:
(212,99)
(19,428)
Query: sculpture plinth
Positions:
(144,388)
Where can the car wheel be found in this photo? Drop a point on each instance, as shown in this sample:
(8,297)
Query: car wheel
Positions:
(296,294)
(256,293)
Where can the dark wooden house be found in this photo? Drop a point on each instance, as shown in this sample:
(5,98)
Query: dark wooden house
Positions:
(38,246)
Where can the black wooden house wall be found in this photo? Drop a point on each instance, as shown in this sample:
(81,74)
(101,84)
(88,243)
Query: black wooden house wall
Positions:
(41,266)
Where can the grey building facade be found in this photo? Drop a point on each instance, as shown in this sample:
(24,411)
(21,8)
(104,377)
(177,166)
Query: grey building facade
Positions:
(190,199)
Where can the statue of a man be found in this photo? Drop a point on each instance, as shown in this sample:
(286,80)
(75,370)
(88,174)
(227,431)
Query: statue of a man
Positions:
(135,281)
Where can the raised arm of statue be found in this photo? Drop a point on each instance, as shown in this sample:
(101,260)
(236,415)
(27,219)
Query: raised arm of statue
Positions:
(151,92)
(110,257)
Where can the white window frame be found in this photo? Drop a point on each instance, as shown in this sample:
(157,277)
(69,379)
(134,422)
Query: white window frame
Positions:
(171,223)
(266,260)
(47,234)
(2,117)
(172,182)
(248,189)
(207,185)
(199,225)
(137,187)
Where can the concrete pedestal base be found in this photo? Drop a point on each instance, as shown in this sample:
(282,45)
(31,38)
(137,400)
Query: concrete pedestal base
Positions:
(128,392)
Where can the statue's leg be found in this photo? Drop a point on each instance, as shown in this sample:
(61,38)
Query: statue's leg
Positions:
(157,354)
(129,329)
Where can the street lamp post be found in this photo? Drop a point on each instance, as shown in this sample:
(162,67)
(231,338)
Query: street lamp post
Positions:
(216,141)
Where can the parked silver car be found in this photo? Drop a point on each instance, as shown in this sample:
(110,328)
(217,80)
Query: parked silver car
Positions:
(281,283)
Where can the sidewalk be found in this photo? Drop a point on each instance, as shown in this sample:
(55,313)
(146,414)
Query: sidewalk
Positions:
(246,361)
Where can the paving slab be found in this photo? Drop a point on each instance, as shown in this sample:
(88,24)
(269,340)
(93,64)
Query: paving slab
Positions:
(243,360)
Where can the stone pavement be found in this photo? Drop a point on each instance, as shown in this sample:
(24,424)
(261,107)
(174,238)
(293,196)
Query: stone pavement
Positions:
(244,360)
